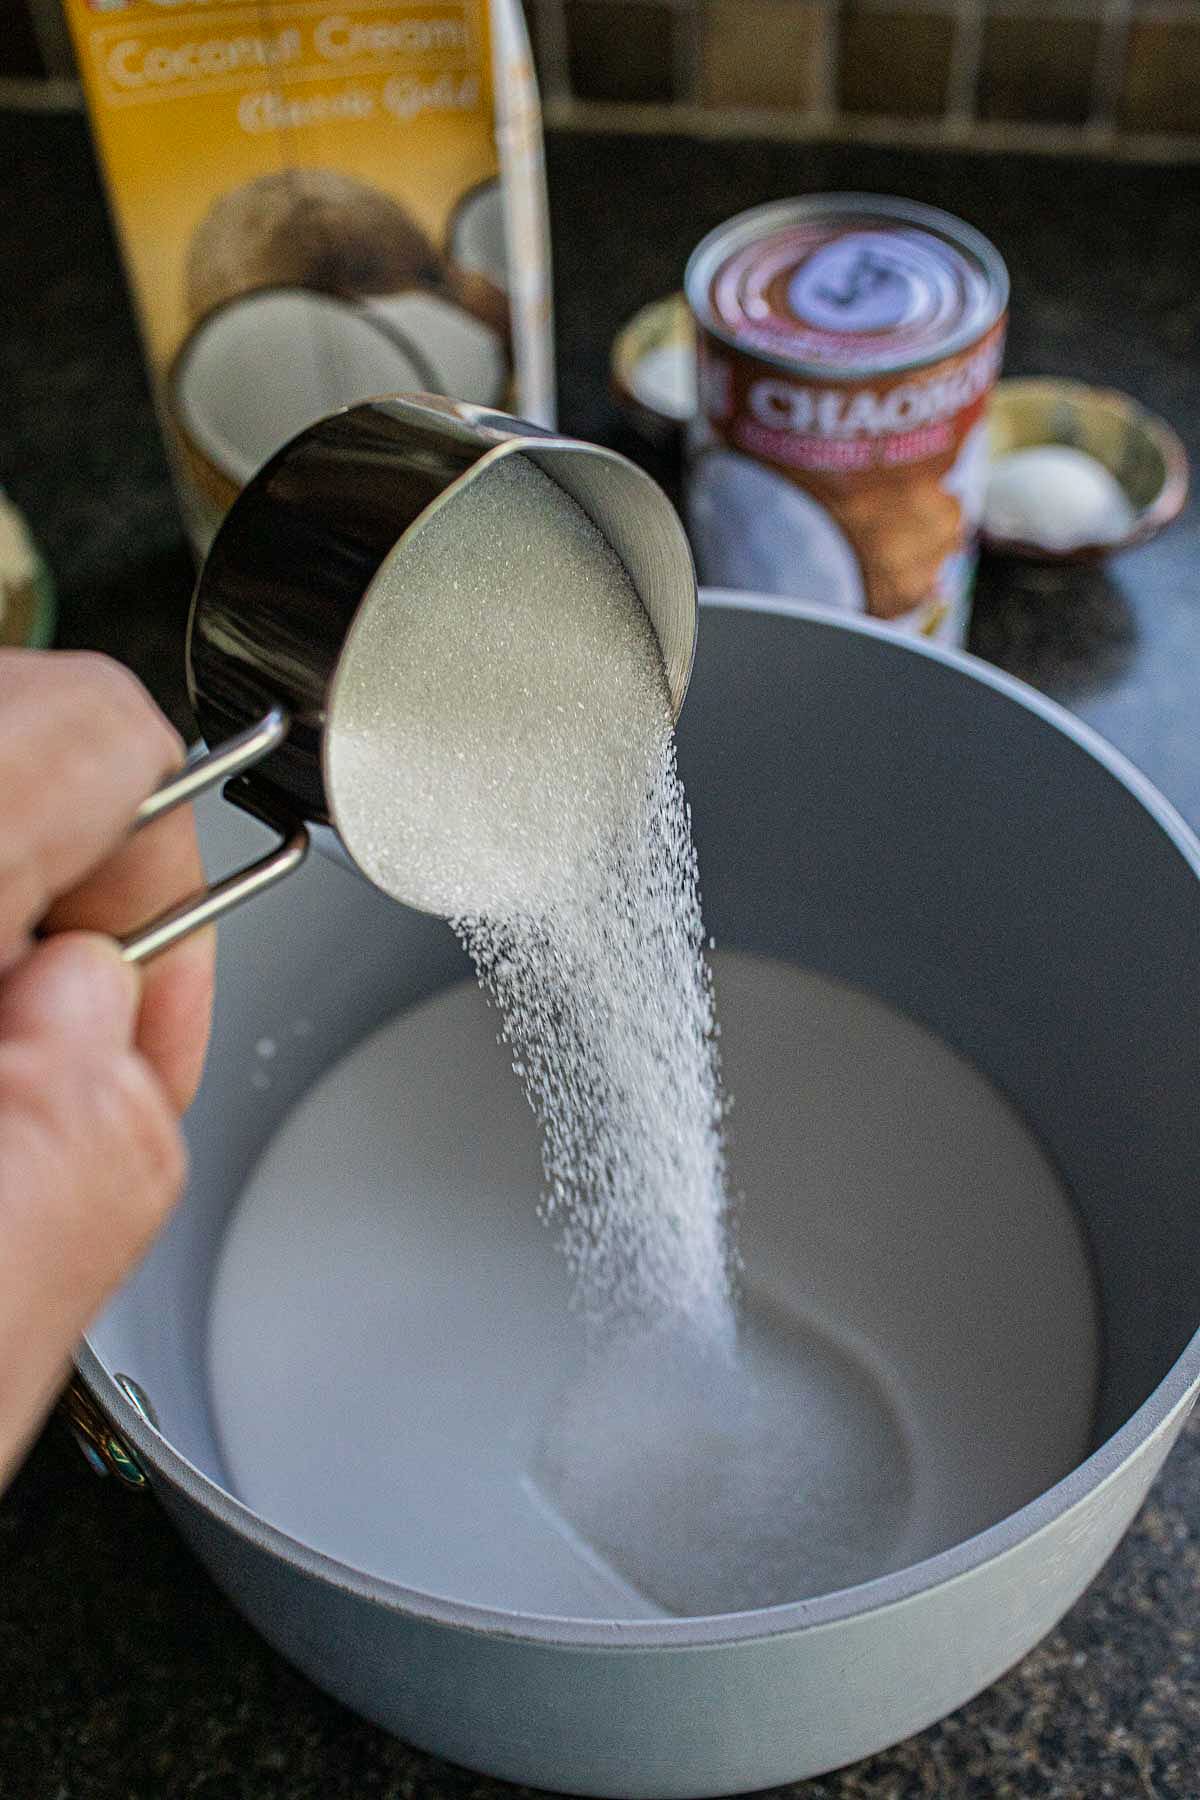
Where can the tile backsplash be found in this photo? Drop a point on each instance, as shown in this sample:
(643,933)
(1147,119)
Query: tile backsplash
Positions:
(1161,90)
(1116,76)
(1025,73)
(1110,75)
(895,64)
(759,53)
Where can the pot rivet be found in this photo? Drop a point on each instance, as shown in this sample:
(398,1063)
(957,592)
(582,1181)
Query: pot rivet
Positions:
(137,1397)
(104,1450)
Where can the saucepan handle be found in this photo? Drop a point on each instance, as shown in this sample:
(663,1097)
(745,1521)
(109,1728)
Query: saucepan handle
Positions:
(201,773)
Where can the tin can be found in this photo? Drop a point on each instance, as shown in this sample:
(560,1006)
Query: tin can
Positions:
(847,346)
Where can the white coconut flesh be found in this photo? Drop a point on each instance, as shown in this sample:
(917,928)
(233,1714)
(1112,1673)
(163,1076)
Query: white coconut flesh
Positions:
(1056,497)
(477,239)
(751,528)
(465,356)
(263,368)
(664,379)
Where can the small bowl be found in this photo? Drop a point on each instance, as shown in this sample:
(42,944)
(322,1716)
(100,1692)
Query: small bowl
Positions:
(27,604)
(1139,449)
(663,329)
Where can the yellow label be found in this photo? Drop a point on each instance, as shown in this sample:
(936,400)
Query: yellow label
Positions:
(193,102)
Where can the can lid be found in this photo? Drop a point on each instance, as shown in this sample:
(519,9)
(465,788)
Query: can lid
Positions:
(847,284)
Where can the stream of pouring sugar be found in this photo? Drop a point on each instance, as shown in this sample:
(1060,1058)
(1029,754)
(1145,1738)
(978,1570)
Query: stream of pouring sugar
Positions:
(528,718)
(608,1007)
(543,814)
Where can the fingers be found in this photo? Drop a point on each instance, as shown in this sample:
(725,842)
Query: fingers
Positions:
(81,744)
(91,1160)
(151,871)
(177,1014)
(95,1061)
(73,988)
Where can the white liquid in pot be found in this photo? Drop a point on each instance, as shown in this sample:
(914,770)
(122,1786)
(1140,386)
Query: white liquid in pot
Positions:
(397,1378)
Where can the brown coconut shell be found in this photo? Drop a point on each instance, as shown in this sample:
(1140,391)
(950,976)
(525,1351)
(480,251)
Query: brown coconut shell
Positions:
(212,486)
(479,295)
(312,228)
(18,609)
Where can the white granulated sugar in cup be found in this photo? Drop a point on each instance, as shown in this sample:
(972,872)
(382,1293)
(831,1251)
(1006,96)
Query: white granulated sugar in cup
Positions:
(499,701)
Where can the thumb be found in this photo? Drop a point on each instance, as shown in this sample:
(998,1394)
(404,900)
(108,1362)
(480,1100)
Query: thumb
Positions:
(74,985)
(90,1160)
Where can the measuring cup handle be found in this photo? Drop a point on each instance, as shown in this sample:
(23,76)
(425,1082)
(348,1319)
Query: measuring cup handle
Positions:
(208,904)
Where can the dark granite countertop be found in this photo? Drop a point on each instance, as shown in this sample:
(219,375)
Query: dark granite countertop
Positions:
(124,1675)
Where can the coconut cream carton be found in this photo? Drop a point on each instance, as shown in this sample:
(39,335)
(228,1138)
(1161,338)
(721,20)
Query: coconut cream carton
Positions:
(318,203)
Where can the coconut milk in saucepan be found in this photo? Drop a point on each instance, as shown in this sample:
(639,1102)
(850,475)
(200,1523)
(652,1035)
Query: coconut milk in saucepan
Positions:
(617,1417)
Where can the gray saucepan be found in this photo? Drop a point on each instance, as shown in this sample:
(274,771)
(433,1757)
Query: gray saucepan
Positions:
(905,819)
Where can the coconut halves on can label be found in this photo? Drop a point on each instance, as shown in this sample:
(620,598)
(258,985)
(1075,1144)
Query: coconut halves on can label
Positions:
(847,347)
(317,204)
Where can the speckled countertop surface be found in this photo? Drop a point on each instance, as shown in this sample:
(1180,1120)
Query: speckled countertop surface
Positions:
(124,1675)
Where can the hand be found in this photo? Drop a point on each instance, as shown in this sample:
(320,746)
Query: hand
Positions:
(97,1060)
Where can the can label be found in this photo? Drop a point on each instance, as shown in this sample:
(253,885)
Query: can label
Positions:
(835,456)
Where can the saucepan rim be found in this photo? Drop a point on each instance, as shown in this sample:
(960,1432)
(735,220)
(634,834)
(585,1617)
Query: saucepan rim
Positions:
(1152,1420)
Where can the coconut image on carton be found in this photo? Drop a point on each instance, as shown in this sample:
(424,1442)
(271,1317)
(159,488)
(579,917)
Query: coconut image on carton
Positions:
(308,290)
(315,209)
(477,254)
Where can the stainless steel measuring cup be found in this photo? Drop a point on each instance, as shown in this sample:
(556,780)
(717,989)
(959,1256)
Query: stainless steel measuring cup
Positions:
(296,559)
